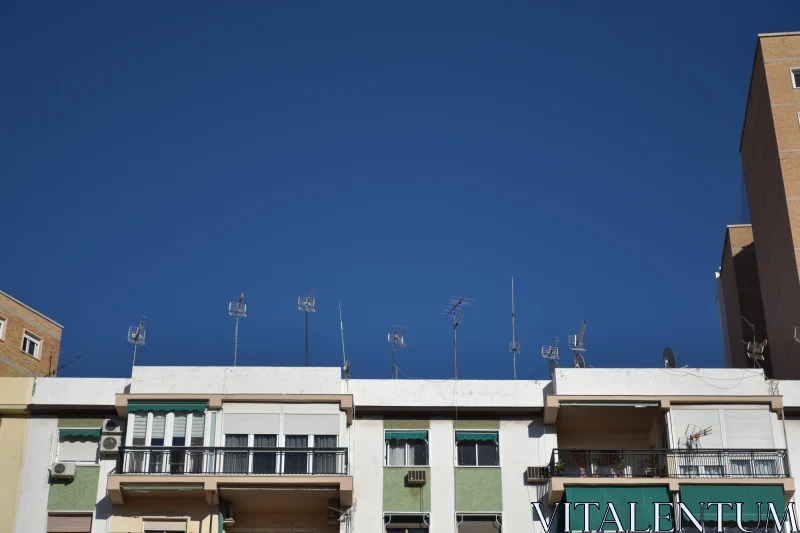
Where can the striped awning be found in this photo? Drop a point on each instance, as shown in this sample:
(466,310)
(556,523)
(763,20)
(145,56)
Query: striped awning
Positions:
(80,432)
(692,496)
(166,407)
(621,497)
(406,435)
(471,435)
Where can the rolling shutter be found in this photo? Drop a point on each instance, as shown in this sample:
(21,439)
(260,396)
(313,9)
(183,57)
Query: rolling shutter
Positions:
(159,423)
(748,429)
(165,525)
(246,424)
(702,418)
(69,523)
(179,426)
(139,429)
(297,424)
(198,429)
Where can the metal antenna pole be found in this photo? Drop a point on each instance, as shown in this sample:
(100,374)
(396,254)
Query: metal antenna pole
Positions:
(237,309)
(136,336)
(394,350)
(453,307)
(513,335)
(396,334)
(306,304)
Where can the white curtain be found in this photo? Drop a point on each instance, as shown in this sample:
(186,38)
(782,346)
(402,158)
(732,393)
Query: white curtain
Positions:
(397,452)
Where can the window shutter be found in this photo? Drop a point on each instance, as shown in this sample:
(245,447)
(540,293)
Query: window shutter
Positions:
(159,422)
(198,429)
(179,426)
(139,429)
(748,429)
(69,523)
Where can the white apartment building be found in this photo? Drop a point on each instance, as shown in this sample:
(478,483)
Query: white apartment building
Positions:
(301,450)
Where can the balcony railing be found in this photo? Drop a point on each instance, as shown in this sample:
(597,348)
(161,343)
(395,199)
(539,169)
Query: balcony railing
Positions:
(232,461)
(680,463)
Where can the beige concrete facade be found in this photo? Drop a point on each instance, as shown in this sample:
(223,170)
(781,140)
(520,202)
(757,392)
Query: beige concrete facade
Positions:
(770,151)
(15,396)
(16,321)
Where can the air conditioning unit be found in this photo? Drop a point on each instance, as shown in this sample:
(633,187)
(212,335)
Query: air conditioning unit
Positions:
(110,443)
(63,471)
(538,474)
(227,515)
(112,426)
(416,477)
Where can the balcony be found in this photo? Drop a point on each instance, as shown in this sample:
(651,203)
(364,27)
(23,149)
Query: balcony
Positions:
(232,461)
(680,463)
(148,471)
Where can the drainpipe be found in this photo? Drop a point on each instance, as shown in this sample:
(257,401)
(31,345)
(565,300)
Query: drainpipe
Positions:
(786,442)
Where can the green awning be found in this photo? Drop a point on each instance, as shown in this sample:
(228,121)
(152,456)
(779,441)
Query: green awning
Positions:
(693,495)
(407,435)
(464,435)
(80,432)
(621,497)
(171,407)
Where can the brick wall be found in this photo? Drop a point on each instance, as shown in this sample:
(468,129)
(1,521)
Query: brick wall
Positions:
(18,319)
(771,161)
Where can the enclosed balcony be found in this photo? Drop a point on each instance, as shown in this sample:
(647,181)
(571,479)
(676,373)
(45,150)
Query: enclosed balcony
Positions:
(679,463)
(232,461)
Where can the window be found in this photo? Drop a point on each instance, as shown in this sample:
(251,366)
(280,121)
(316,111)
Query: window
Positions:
(325,462)
(478,523)
(296,462)
(406,523)
(78,448)
(236,462)
(32,345)
(741,467)
(2,328)
(406,448)
(265,462)
(477,448)
(796,77)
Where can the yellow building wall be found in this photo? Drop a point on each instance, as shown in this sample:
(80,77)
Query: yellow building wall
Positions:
(15,396)
(128,518)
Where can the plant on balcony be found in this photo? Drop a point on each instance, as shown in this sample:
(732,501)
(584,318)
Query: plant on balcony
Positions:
(594,460)
(618,466)
(560,468)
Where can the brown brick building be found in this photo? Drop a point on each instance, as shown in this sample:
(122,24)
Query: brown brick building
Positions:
(770,151)
(29,341)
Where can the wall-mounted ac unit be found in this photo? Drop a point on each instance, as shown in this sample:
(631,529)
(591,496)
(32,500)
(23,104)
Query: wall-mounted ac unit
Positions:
(110,443)
(538,474)
(112,426)
(63,471)
(416,477)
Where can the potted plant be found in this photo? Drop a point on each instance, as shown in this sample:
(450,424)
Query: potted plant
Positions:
(594,460)
(560,468)
(618,466)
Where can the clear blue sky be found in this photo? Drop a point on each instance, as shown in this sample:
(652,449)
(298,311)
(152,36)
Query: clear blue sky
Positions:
(159,159)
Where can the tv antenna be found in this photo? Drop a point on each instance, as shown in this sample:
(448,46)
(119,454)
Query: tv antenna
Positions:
(514,345)
(551,352)
(136,336)
(576,345)
(669,358)
(236,310)
(395,336)
(755,350)
(306,304)
(345,362)
(454,309)
(692,436)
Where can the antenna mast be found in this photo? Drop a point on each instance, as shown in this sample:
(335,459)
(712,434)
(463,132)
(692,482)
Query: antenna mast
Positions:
(514,346)
(345,362)
(453,309)
(395,335)
(136,335)
(236,310)
(576,345)
(755,350)
(306,304)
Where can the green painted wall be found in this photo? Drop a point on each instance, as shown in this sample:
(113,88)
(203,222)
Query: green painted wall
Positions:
(406,424)
(476,424)
(398,496)
(478,489)
(80,422)
(80,494)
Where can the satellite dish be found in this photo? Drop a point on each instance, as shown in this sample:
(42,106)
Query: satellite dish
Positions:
(553,366)
(579,361)
(669,358)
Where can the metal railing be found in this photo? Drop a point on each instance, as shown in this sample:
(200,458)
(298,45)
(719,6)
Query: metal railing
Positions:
(232,461)
(680,463)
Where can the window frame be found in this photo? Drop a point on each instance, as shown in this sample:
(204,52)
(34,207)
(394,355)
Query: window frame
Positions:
(3,327)
(36,340)
(794,72)
(405,454)
(477,463)
(494,518)
(96,440)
